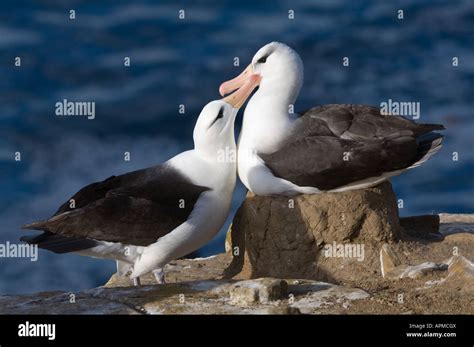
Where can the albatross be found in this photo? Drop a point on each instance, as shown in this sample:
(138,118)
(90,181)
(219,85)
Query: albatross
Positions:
(146,218)
(329,148)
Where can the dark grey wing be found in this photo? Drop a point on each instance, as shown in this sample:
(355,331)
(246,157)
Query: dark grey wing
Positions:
(59,244)
(136,208)
(335,145)
(99,190)
(358,122)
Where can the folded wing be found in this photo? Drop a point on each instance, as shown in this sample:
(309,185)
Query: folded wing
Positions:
(335,145)
(136,208)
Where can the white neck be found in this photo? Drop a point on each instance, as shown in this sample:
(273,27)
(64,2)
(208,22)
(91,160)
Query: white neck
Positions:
(267,120)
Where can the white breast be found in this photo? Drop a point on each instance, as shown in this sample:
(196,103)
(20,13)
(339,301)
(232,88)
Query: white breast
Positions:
(264,130)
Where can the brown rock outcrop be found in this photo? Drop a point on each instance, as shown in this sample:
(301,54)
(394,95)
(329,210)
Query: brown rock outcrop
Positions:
(332,237)
(195,286)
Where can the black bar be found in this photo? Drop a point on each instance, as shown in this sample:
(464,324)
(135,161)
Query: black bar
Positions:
(319,329)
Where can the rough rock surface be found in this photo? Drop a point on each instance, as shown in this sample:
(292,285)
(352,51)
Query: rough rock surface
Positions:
(261,296)
(263,290)
(184,270)
(287,237)
(392,267)
(197,286)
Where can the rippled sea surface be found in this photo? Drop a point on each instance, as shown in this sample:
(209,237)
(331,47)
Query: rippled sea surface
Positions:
(182,62)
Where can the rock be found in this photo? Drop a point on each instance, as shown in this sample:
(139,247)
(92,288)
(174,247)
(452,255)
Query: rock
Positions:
(457,288)
(425,227)
(422,269)
(392,268)
(311,296)
(259,296)
(460,275)
(197,269)
(458,218)
(389,261)
(61,303)
(196,286)
(456,223)
(262,290)
(284,237)
(460,266)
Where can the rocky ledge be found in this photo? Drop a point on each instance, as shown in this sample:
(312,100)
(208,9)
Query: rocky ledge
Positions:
(289,256)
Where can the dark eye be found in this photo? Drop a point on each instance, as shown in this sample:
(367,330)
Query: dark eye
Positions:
(263,59)
(221,113)
(219,116)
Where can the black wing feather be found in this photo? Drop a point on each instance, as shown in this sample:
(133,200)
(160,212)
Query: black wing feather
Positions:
(136,208)
(59,244)
(373,144)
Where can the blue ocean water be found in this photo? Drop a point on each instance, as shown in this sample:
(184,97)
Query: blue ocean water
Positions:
(177,62)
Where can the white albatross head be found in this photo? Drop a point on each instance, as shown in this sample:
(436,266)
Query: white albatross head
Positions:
(280,70)
(214,129)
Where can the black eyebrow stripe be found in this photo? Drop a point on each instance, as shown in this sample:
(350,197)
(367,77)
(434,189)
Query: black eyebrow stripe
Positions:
(265,56)
(218,114)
